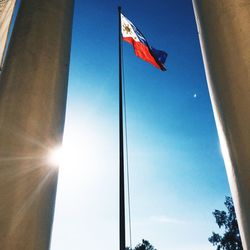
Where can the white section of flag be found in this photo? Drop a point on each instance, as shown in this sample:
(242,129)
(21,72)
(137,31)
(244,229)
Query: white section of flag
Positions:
(127,29)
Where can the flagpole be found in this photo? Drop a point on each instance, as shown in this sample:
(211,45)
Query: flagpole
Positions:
(121,147)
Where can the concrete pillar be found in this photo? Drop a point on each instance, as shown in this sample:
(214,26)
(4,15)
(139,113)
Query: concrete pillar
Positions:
(6,12)
(33,89)
(224,32)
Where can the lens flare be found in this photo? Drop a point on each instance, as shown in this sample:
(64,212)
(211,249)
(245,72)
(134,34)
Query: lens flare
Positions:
(56,156)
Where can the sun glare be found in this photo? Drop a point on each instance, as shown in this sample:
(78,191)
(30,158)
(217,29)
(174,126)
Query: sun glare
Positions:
(70,156)
(65,156)
(56,156)
(82,155)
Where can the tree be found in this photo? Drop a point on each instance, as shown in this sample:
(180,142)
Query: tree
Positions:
(230,240)
(145,245)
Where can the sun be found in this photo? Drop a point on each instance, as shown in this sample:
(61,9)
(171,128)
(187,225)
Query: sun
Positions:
(56,156)
(67,156)
(81,155)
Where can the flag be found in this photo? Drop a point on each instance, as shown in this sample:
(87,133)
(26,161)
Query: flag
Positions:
(142,49)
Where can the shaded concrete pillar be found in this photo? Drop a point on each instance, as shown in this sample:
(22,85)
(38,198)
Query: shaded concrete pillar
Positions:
(224,32)
(33,90)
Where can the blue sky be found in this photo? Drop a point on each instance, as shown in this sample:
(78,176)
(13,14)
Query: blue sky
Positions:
(177,174)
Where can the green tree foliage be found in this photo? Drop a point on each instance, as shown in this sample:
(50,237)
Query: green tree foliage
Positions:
(230,240)
(145,245)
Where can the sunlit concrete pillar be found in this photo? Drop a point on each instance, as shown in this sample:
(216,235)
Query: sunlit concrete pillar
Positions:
(33,89)
(224,32)
(6,12)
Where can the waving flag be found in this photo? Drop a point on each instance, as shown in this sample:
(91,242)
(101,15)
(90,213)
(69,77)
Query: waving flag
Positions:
(142,49)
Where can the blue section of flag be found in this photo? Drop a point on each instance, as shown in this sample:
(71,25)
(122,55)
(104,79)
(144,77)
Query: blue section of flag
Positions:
(159,55)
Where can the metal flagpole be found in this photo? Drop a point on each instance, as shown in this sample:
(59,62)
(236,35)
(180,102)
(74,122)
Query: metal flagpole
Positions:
(121,146)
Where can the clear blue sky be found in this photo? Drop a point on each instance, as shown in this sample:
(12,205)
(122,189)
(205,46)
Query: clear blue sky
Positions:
(177,174)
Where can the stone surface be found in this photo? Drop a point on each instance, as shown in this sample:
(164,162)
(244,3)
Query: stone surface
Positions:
(6,12)
(33,90)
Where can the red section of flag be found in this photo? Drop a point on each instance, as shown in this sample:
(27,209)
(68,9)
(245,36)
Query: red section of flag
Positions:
(142,51)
